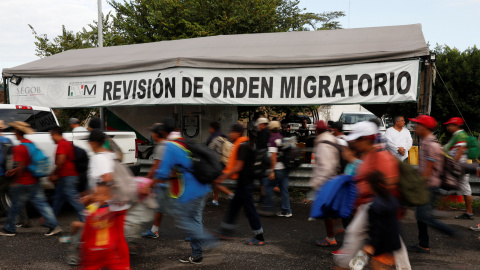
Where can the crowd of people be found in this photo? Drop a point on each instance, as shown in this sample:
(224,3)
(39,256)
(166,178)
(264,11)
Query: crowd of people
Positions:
(109,223)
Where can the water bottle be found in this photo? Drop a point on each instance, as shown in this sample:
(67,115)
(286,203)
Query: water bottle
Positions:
(359,262)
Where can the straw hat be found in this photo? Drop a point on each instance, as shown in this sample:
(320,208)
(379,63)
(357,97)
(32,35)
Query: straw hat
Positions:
(2,125)
(22,126)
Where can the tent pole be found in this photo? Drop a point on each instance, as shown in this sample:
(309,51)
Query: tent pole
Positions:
(4,81)
(100,45)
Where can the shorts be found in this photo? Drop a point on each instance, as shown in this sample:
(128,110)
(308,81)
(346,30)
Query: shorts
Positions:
(162,198)
(464,186)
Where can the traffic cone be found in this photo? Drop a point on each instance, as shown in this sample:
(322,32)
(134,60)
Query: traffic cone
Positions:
(312,159)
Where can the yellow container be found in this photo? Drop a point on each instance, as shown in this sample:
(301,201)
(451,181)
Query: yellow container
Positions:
(413,155)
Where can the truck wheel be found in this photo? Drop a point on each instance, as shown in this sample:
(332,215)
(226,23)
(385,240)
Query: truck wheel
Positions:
(149,154)
(5,202)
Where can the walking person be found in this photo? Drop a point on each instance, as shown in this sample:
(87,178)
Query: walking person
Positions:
(430,158)
(65,175)
(101,169)
(399,140)
(363,140)
(278,176)
(187,197)
(383,230)
(261,142)
(243,166)
(457,149)
(327,165)
(26,187)
(159,135)
(216,142)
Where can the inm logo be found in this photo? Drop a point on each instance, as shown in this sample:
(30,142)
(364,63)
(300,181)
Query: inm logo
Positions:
(82,89)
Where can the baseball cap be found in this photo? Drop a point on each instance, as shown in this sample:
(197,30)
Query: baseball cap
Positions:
(157,128)
(73,121)
(425,120)
(274,125)
(455,121)
(261,120)
(321,125)
(362,129)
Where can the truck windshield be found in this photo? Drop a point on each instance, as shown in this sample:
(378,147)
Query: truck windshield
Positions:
(350,119)
(41,121)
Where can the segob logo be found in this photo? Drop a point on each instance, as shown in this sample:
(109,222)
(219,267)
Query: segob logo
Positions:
(78,90)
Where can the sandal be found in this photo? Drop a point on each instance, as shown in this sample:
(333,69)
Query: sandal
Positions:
(254,242)
(327,243)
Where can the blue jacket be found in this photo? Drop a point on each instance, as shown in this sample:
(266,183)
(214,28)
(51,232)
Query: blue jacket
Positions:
(335,199)
(178,161)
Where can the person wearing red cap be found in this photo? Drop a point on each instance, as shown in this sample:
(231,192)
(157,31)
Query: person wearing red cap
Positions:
(457,148)
(327,165)
(430,159)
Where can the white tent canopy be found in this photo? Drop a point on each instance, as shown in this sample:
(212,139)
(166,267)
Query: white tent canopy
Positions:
(312,67)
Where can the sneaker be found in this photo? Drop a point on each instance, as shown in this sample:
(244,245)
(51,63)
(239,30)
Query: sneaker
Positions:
(418,249)
(214,203)
(475,228)
(284,213)
(192,260)
(254,242)
(23,225)
(3,232)
(187,239)
(231,196)
(54,231)
(150,234)
(465,216)
(327,243)
(224,234)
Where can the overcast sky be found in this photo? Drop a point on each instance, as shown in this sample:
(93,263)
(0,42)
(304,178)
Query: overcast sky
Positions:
(452,22)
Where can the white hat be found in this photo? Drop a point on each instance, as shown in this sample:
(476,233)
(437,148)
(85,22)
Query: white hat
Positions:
(362,129)
(261,121)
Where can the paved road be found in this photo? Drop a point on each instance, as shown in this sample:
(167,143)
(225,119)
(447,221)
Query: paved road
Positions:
(290,245)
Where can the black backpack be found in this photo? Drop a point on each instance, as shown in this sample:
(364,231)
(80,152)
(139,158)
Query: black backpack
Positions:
(81,159)
(262,164)
(206,166)
(343,162)
(7,158)
(290,154)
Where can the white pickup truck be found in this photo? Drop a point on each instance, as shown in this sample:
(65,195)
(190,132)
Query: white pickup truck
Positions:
(350,118)
(42,120)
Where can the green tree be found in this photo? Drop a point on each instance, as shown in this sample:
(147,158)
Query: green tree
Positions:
(461,73)
(141,21)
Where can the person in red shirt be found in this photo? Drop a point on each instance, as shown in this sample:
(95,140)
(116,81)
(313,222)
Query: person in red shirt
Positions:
(25,186)
(65,175)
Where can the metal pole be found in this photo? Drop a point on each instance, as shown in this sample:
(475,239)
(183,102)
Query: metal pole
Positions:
(100,45)
(100,24)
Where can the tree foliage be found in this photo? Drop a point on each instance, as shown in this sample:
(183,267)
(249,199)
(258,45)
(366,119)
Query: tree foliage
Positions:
(461,73)
(141,21)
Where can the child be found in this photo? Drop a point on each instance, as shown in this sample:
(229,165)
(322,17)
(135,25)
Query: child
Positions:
(383,228)
(350,155)
(99,235)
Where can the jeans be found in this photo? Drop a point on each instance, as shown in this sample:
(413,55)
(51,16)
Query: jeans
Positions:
(66,191)
(188,217)
(423,214)
(243,197)
(281,179)
(20,194)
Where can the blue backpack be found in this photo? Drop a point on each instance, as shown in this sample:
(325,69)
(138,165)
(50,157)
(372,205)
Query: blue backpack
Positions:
(39,165)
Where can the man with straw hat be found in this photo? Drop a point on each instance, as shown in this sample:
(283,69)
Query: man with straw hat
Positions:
(26,187)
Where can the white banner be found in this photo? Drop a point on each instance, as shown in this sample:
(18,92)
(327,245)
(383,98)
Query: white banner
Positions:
(353,84)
